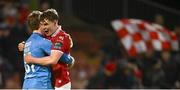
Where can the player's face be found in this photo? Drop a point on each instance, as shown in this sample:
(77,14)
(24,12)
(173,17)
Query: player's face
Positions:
(47,27)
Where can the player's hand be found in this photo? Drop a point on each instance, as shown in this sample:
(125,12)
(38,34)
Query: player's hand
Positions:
(28,58)
(21,46)
(72,64)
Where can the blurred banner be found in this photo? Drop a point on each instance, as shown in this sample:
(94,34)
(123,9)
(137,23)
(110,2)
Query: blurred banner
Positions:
(138,36)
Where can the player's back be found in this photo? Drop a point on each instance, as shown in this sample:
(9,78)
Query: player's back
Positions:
(36,75)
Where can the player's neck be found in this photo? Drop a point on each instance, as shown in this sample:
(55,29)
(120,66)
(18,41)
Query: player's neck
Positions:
(56,30)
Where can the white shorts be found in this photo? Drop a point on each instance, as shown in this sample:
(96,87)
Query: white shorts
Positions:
(64,87)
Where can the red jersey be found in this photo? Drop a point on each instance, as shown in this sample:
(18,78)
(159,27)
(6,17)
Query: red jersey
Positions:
(63,42)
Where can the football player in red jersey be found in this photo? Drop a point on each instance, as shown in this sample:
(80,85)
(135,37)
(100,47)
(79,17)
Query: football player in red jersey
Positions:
(62,43)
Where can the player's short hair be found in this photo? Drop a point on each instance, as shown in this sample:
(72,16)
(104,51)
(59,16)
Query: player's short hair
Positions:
(49,14)
(33,20)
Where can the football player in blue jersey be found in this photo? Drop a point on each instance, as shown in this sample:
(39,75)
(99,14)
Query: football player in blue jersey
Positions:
(37,76)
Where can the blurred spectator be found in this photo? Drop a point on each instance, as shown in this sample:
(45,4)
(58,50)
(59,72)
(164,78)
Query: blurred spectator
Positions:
(1,73)
(176,56)
(159,19)
(151,70)
(170,69)
(127,79)
(13,81)
(5,30)
(11,15)
(6,70)
(154,76)
(23,13)
(177,31)
(44,5)
(1,33)
(79,72)
(104,78)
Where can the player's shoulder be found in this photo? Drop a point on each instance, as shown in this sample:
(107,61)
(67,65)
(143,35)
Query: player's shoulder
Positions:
(36,37)
(63,34)
(41,41)
(45,41)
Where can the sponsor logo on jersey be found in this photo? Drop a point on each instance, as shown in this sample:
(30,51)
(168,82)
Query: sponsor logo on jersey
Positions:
(58,45)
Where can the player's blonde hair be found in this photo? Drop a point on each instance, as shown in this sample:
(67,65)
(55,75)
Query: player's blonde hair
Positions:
(33,20)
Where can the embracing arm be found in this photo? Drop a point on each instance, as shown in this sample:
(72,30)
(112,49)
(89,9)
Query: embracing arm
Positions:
(52,59)
(55,57)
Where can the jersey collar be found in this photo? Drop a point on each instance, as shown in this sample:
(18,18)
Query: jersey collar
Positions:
(56,32)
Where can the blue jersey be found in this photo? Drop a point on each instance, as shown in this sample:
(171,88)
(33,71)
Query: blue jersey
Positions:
(38,47)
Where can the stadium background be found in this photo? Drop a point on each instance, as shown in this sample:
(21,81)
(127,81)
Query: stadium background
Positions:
(101,61)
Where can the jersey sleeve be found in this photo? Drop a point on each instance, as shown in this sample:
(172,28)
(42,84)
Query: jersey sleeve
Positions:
(58,43)
(46,46)
(62,43)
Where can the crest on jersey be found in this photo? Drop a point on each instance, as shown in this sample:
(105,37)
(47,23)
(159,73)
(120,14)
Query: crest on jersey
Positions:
(58,45)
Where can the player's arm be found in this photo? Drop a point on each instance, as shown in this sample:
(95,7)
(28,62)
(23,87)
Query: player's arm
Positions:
(55,57)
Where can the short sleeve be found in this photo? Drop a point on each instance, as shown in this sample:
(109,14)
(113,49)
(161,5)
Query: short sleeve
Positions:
(58,43)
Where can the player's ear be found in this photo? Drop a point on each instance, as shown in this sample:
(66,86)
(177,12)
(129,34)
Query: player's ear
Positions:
(55,22)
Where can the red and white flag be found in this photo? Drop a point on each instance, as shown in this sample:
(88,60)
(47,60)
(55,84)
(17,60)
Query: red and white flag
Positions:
(137,36)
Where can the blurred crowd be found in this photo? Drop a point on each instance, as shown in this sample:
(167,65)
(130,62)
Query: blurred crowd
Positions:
(106,64)
(101,62)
